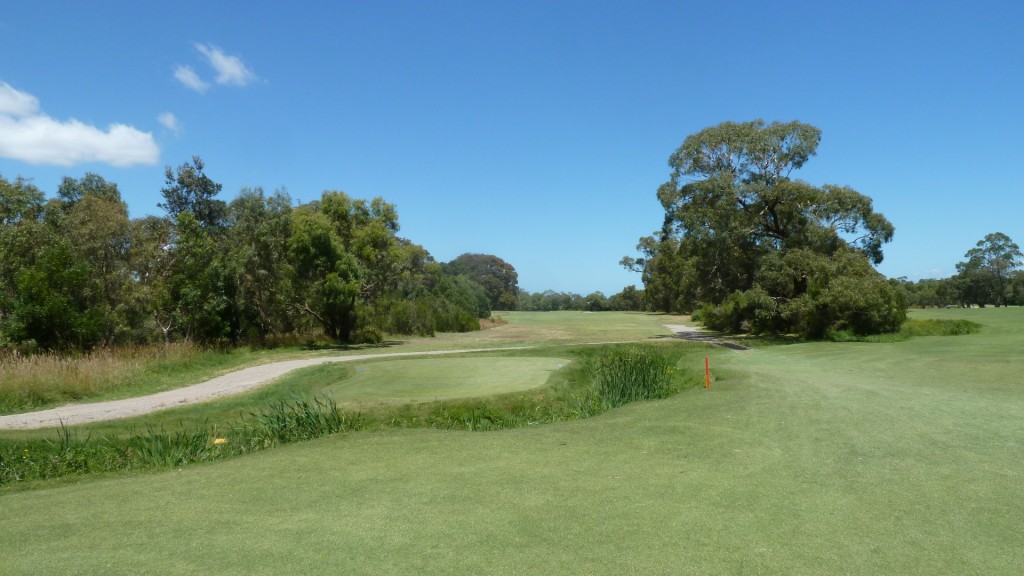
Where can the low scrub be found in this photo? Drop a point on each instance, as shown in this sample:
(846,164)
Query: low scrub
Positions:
(600,379)
(914,327)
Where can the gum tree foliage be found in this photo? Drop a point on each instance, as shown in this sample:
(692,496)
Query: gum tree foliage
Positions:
(196,298)
(346,258)
(76,272)
(189,189)
(629,300)
(152,264)
(985,277)
(59,264)
(499,278)
(325,276)
(357,279)
(21,207)
(754,248)
(95,221)
(258,230)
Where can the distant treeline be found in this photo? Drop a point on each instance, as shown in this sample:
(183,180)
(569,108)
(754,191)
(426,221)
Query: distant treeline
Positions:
(629,300)
(962,291)
(989,274)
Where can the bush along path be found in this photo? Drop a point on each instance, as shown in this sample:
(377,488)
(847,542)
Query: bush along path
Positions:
(599,379)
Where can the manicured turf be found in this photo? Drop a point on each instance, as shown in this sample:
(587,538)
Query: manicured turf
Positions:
(435,378)
(903,458)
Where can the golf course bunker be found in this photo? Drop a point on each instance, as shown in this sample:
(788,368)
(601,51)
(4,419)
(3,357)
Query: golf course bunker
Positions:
(425,379)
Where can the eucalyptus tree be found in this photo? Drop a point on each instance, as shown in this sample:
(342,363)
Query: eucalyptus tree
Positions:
(197,284)
(45,283)
(499,278)
(325,277)
(629,300)
(21,207)
(733,213)
(987,273)
(259,227)
(72,190)
(189,189)
(152,263)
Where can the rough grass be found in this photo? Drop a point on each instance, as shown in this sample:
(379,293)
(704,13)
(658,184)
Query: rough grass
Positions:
(37,381)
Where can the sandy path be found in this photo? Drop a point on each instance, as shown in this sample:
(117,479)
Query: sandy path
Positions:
(677,328)
(226,385)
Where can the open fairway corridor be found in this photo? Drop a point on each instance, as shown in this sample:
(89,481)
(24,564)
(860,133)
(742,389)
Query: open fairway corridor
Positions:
(903,458)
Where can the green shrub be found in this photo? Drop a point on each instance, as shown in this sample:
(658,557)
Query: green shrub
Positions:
(933,327)
(910,328)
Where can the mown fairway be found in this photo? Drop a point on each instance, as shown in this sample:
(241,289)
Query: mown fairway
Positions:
(903,458)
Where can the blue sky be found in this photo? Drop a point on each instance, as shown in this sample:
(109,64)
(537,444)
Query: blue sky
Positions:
(535,131)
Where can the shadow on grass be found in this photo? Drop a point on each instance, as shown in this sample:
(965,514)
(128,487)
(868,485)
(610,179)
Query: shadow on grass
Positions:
(318,346)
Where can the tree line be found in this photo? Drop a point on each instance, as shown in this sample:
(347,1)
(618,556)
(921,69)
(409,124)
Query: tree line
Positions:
(629,300)
(76,272)
(989,275)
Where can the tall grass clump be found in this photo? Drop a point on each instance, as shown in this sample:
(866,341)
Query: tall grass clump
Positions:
(156,448)
(296,420)
(31,381)
(631,375)
(70,455)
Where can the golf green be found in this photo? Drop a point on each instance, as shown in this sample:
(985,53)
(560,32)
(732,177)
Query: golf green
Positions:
(436,378)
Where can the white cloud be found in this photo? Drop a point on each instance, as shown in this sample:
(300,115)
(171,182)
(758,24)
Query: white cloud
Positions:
(169,121)
(190,79)
(15,103)
(30,136)
(230,69)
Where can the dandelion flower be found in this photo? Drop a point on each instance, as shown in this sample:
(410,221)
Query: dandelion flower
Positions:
(220,441)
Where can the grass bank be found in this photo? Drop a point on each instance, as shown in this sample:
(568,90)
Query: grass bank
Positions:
(471,393)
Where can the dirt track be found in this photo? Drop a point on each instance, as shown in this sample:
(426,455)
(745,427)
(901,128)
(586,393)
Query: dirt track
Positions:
(226,385)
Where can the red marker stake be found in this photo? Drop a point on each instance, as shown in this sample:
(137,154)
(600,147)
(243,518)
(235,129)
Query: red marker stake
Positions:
(707,373)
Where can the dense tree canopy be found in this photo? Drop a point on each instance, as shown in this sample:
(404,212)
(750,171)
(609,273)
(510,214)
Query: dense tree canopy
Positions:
(754,248)
(499,278)
(76,272)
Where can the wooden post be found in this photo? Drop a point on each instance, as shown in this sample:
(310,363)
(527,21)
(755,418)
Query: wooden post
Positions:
(707,373)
